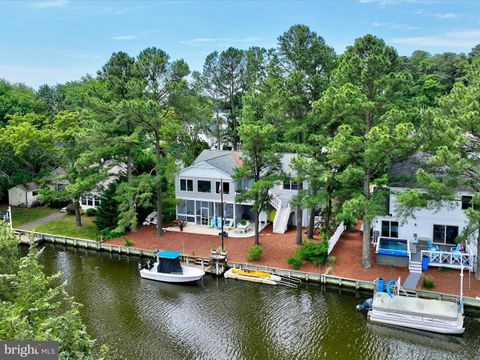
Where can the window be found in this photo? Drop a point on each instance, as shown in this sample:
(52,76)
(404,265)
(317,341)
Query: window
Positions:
(186,185)
(97,200)
(204,186)
(226,187)
(390,229)
(290,185)
(445,234)
(466,202)
(83,200)
(90,200)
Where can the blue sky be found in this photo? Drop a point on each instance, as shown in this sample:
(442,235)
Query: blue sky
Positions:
(55,41)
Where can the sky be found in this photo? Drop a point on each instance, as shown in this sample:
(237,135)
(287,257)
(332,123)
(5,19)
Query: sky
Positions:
(54,41)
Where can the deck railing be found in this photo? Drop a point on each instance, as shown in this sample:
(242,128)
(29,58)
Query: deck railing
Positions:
(336,235)
(275,200)
(450,259)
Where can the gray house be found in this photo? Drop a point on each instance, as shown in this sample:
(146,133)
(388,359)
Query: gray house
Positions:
(197,189)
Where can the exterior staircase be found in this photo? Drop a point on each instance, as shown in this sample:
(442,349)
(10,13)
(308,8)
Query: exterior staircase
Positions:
(280,222)
(415,267)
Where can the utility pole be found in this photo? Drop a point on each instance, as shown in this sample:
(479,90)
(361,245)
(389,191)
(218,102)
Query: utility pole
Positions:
(221,214)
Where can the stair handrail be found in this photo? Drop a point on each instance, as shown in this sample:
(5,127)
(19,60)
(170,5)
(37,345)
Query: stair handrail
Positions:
(277,213)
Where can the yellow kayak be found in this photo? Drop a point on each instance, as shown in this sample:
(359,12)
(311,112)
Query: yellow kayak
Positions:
(253,273)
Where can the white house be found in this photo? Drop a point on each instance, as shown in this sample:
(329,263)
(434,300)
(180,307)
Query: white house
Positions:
(430,232)
(23,194)
(197,188)
(92,199)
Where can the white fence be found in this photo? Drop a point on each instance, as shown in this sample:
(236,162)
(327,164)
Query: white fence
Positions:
(333,240)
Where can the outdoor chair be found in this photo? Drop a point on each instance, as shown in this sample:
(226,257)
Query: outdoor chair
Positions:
(456,254)
(229,225)
(434,255)
(211,224)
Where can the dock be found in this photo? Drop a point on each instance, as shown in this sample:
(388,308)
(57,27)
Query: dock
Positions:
(220,266)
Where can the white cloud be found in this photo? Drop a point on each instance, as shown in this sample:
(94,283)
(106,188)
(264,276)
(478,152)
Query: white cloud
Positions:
(455,39)
(125,37)
(49,4)
(222,41)
(438,15)
(394,26)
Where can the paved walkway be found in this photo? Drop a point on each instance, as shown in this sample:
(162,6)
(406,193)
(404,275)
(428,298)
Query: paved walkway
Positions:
(40,221)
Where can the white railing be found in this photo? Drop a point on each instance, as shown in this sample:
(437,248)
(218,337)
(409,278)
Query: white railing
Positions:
(336,235)
(450,259)
(275,200)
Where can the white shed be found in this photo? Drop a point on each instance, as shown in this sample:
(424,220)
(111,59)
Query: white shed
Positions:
(23,194)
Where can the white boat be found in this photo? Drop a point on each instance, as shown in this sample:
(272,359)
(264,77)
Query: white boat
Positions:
(167,268)
(445,317)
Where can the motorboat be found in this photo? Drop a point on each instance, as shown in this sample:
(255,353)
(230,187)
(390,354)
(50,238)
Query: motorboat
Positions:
(399,309)
(168,268)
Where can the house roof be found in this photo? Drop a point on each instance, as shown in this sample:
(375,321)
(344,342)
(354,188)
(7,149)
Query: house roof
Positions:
(228,161)
(403,173)
(30,186)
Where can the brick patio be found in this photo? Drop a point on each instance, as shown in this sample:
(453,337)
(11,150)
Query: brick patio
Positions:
(277,248)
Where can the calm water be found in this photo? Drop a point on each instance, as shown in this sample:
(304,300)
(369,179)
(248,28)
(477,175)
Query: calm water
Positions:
(219,319)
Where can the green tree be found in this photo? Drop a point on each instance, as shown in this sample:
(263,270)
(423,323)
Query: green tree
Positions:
(453,146)
(307,62)
(261,164)
(107,211)
(374,131)
(34,306)
(155,113)
(17,99)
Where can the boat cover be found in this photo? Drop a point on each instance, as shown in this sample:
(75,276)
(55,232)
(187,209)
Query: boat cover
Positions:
(169,254)
(170,266)
(415,306)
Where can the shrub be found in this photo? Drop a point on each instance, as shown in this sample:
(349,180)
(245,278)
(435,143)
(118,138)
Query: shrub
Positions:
(428,282)
(243,222)
(71,209)
(295,261)
(331,259)
(315,252)
(128,242)
(328,270)
(91,212)
(255,252)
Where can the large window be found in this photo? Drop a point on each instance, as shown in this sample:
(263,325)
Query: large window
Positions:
(226,187)
(186,185)
(466,202)
(204,186)
(445,234)
(390,229)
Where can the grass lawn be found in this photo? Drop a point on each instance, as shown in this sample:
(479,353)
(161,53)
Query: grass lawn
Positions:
(23,216)
(66,226)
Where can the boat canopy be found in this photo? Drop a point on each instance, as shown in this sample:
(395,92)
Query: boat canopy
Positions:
(415,306)
(168,254)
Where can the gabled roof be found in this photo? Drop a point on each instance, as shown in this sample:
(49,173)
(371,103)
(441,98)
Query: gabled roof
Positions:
(228,161)
(30,186)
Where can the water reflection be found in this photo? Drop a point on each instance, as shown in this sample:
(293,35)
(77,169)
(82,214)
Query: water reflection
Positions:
(220,319)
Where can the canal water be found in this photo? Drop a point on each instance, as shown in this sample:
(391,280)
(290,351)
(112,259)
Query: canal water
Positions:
(228,319)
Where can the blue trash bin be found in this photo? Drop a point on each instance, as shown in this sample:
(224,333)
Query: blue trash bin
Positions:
(380,284)
(425,261)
